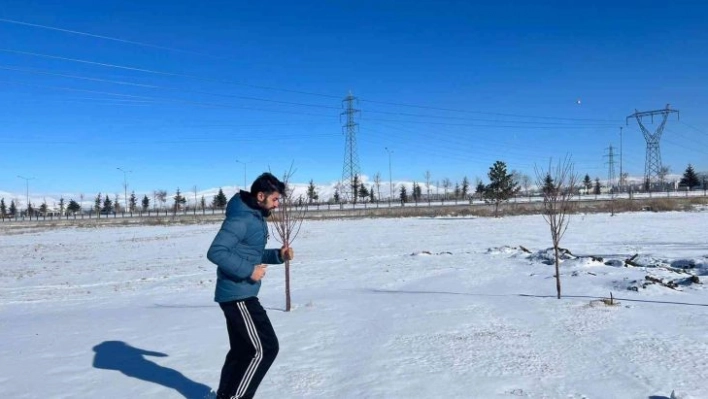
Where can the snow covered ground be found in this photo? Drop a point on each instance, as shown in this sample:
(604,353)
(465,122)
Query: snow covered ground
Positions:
(384,308)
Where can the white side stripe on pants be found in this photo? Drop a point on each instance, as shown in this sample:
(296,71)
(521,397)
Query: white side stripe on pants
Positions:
(256,341)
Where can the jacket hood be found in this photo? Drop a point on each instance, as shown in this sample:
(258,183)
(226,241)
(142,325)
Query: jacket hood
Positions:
(245,202)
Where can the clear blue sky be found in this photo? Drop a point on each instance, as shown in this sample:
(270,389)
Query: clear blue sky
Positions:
(177,91)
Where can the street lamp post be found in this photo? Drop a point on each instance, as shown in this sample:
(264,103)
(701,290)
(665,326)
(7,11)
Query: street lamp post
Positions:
(245,187)
(390,180)
(125,187)
(27,179)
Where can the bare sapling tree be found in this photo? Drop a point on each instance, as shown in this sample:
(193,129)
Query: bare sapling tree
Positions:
(286,221)
(557,186)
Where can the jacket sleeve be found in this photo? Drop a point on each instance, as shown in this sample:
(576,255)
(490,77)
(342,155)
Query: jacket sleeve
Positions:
(221,254)
(272,256)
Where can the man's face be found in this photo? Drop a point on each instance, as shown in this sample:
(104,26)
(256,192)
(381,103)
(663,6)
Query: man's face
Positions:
(268,202)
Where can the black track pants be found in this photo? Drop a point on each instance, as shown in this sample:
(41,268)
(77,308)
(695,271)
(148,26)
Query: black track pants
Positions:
(254,347)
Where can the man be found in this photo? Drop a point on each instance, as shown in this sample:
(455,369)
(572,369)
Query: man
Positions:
(239,252)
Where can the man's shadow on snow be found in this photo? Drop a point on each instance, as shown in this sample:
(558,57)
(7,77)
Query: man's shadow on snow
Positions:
(119,356)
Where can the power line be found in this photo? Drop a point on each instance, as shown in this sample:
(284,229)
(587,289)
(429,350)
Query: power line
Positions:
(115,39)
(156,72)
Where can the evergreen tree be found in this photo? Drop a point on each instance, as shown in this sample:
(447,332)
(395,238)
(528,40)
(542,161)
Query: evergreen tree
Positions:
(107,205)
(61,205)
(336,196)
(501,187)
(363,192)
(457,191)
(690,178)
(3,208)
(73,207)
(465,187)
(13,208)
(403,194)
(355,188)
(43,208)
(479,190)
(30,210)
(145,203)
(549,187)
(202,202)
(132,202)
(179,201)
(587,183)
(417,192)
(598,187)
(97,203)
(312,192)
(372,198)
(219,200)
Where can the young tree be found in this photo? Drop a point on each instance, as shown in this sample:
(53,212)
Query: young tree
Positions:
(690,178)
(446,185)
(43,208)
(403,194)
(479,190)
(558,189)
(465,187)
(161,197)
(355,188)
(145,203)
(13,208)
(179,201)
(587,183)
(427,184)
(73,207)
(312,192)
(97,204)
(663,172)
(107,205)
(377,183)
(598,187)
(202,203)
(132,202)
(458,191)
(417,192)
(372,197)
(501,187)
(336,195)
(116,204)
(286,220)
(363,192)
(3,208)
(61,206)
(219,200)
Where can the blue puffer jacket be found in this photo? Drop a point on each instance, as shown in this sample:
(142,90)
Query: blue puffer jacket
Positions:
(238,247)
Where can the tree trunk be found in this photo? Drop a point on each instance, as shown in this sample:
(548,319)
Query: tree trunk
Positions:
(558,277)
(287,285)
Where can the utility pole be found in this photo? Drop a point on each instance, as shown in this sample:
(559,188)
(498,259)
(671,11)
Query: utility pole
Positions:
(652,165)
(390,180)
(27,179)
(621,181)
(125,187)
(245,181)
(351,157)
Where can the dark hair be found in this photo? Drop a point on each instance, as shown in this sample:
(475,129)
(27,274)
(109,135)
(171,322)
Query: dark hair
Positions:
(267,184)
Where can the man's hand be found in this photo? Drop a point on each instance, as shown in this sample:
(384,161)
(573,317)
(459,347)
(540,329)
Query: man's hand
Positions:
(286,253)
(258,272)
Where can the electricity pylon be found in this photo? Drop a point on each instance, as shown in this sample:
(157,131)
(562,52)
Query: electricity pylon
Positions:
(351,157)
(652,165)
